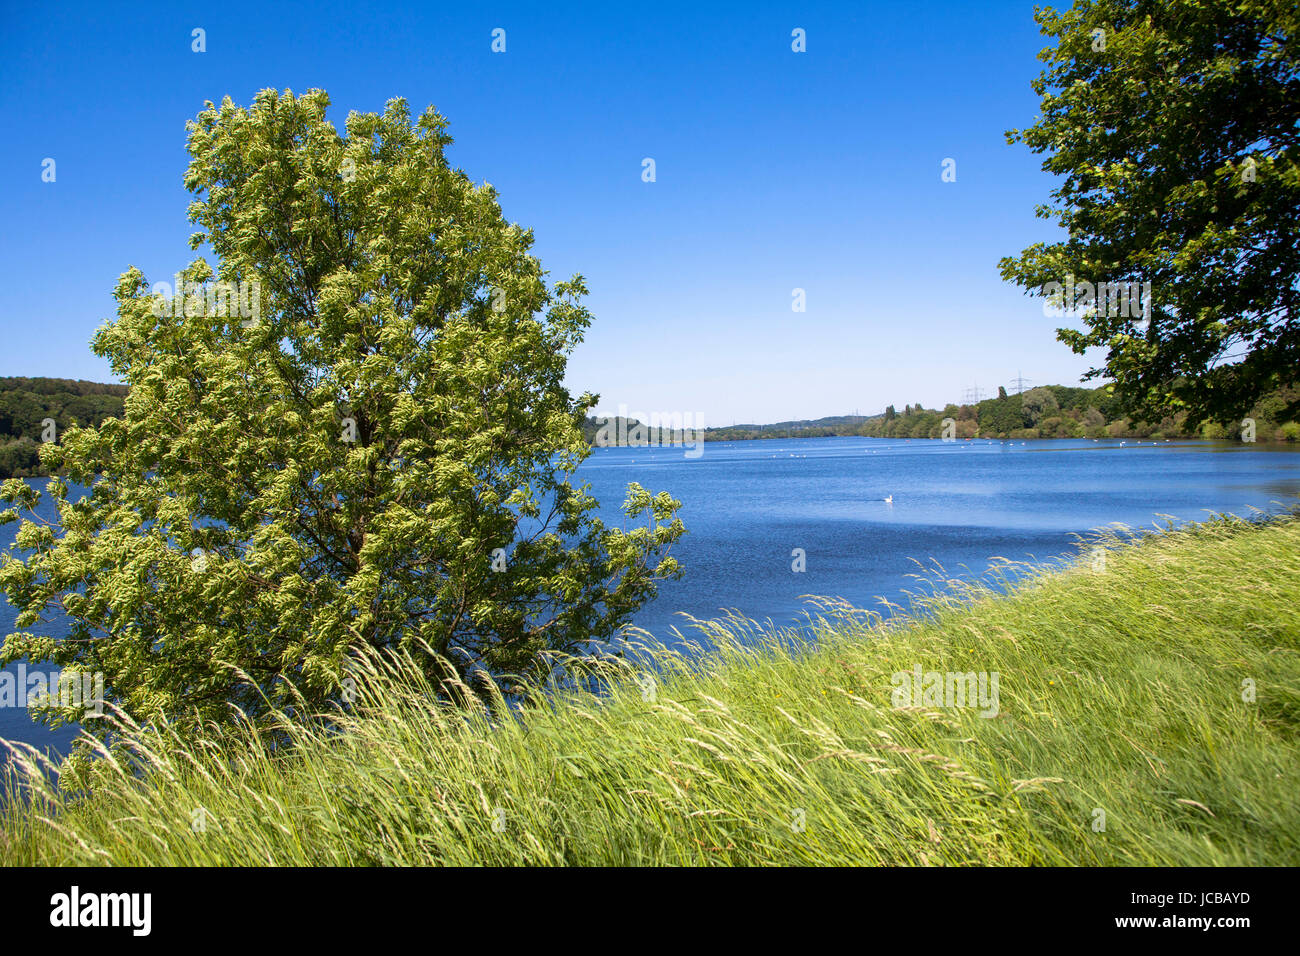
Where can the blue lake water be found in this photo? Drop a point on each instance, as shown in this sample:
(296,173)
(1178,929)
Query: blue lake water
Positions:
(748,505)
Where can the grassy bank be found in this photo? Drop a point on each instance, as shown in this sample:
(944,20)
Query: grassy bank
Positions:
(1120,693)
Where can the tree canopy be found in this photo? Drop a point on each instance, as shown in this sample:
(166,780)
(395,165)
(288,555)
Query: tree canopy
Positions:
(1175,127)
(374,448)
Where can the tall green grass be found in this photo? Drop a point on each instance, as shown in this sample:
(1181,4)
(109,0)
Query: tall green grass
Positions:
(1122,691)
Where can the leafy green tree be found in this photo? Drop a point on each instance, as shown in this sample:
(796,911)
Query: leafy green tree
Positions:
(1001,415)
(381,455)
(1176,127)
(1038,403)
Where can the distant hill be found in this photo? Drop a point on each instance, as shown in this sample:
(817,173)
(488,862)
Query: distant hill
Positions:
(803,428)
(25,403)
(1051,411)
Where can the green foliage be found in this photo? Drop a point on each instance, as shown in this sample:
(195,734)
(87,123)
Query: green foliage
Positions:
(1002,415)
(20,458)
(340,470)
(1056,411)
(1177,131)
(1036,404)
(1120,689)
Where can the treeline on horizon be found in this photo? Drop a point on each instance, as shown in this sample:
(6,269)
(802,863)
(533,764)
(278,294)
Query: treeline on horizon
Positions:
(1049,411)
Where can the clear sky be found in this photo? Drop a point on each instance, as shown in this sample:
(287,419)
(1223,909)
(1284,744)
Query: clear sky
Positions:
(775,170)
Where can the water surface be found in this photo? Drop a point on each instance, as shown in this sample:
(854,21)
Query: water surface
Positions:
(748,505)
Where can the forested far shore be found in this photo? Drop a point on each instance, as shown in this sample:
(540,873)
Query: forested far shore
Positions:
(1050,411)
(27,405)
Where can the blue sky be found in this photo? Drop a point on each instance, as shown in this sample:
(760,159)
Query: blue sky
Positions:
(775,170)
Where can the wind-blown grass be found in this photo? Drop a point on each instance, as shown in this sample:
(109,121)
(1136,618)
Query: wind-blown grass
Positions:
(1122,691)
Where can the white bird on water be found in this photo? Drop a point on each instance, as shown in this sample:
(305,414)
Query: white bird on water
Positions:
(889,499)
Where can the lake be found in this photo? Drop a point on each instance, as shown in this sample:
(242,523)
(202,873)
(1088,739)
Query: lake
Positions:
(748,505)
